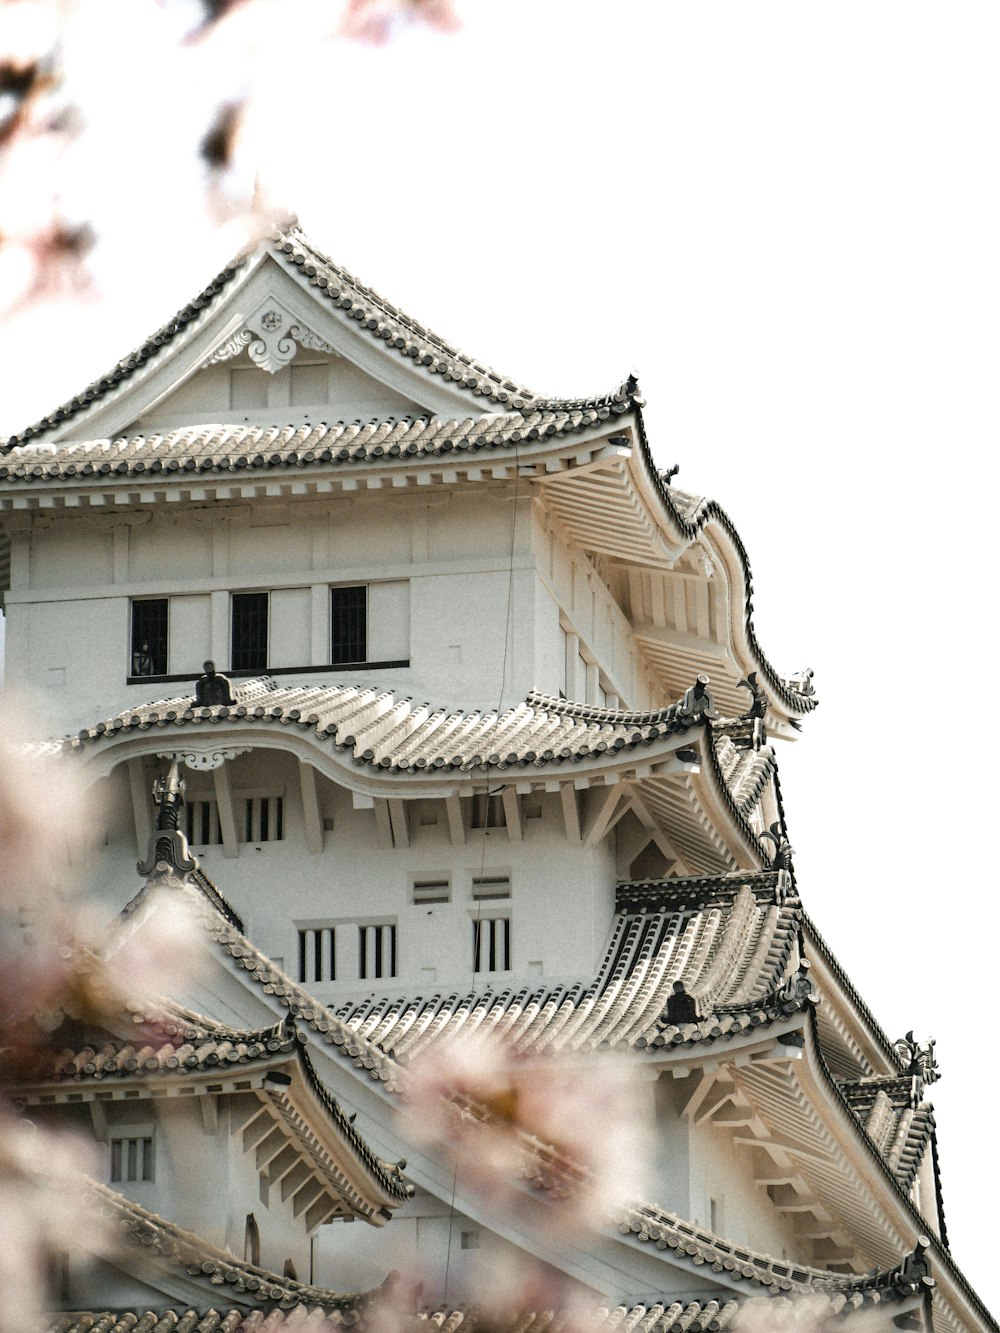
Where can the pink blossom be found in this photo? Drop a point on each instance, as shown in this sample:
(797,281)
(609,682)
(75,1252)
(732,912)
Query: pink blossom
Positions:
(43,1214)
(376,21)
(573,1131)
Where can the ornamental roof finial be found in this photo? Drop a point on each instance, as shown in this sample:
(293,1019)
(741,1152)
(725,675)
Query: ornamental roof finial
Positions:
(168,856)
(918,1058)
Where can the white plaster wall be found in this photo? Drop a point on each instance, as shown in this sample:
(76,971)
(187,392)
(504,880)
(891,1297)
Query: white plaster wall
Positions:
(204,1181)
(427,1241)
(561,905)
(480,604)
(237,391)
(697,1163)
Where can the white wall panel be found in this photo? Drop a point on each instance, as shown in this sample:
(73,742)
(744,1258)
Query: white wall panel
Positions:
(189,634)
(290,627)
(389,621)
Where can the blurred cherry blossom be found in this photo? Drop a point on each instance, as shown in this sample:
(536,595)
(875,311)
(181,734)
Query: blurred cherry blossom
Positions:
(807,1314)
(43,1212)
(53,968)
(574,1132)
(132,127)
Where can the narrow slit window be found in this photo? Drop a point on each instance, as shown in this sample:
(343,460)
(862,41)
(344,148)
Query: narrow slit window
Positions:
(149,638)
(348,625)
(249,646)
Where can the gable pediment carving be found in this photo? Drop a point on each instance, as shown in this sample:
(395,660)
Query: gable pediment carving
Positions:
(272,337)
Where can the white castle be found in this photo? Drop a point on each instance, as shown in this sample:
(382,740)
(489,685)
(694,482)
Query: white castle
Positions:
(444,712)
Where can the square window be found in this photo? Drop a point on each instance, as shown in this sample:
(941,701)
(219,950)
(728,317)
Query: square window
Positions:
(348,625)
(149,638)
(249,642)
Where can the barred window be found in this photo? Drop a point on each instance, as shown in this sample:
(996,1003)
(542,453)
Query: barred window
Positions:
(376,951)
(318,953)
(131,1159)
(249,631)
(348,625)
(203,827)
(149,637)
(491,944)
(263,818)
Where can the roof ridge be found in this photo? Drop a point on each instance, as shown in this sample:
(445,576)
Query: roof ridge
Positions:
(151,1231)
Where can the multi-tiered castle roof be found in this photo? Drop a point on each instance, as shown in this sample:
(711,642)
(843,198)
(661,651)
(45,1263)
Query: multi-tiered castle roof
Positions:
(488,750)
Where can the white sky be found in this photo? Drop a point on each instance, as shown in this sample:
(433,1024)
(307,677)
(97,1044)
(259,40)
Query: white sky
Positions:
(785,218)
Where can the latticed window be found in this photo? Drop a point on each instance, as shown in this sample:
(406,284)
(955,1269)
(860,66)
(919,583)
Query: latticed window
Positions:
(263,818)
(249,646)
(149,638)
(376,951)
(318,953)
(131,1159)
(348,625)
(491,944)
(203,827)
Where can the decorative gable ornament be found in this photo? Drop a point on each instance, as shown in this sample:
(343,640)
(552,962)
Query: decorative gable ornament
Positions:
(272,337)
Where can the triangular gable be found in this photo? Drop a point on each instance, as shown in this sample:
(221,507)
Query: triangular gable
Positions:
(229,355)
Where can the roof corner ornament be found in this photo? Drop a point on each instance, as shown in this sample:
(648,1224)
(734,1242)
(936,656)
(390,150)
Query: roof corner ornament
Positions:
(212,688)
(667,475)
(756,713)
(697,703)
(914,1273)
(782,858)
(169,856)
(801,683)
(682,1007)
(798,991)
(918,1058)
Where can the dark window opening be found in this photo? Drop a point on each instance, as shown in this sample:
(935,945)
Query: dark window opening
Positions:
(149,638)
(348,625)
(249,647)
